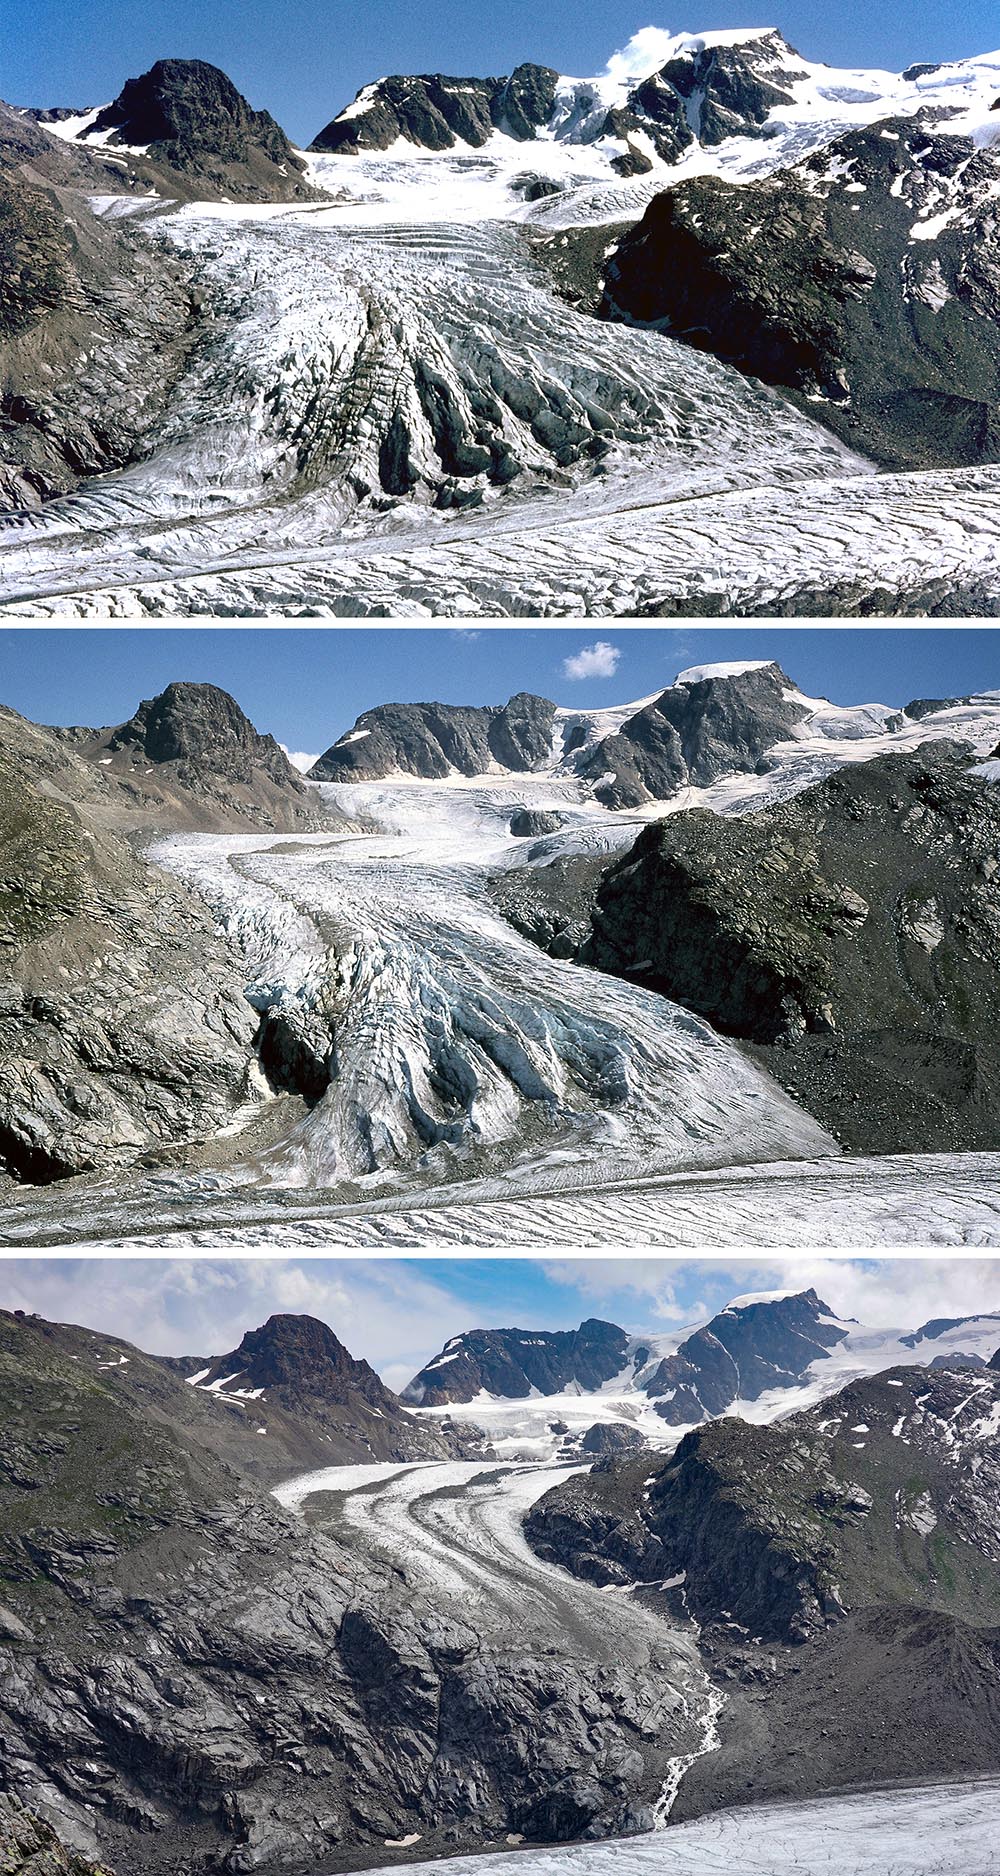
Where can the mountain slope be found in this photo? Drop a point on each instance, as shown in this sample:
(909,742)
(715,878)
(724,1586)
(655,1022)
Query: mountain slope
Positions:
(852,1547)
(294,1368)
(848,934)
(865,280)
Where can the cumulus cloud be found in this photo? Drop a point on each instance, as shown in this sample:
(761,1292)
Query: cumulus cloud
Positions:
(645,52)
(882,1292)
(299,759)
(599,660)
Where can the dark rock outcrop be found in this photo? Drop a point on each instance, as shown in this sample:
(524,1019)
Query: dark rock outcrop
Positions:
(846,1557)
(529,823)
(696,731)
(511,1362)
(611,1436)
(848,934)
(188,118)
(743,1353)
(436,740)
(818,279)
(551,904)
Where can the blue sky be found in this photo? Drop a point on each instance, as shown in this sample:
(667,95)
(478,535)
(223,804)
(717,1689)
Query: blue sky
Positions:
(305,59)
(398,1313)
(308,687)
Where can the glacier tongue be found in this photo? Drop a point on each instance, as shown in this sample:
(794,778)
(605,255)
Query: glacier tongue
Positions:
(460,1048)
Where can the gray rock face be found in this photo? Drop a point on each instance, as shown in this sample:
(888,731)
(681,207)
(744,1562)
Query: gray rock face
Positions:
(510,1362)
(694,733)
(814,280)
(221,1687)
(30,1847)
(741,1354)
(806,1548)
(437,112)
(438,740)
(202,732)
(189,117)
(850,934)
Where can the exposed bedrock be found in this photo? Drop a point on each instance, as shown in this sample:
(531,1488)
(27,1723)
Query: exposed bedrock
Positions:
(865,281)
(850,935)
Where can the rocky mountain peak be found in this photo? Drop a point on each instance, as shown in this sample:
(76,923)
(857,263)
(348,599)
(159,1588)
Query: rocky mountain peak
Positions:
(755,1344)
(188,116)
(184,107)
(201,725)
(512,1363)
(297,1354)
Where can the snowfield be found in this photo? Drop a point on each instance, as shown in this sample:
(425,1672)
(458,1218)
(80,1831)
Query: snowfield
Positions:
(397,416)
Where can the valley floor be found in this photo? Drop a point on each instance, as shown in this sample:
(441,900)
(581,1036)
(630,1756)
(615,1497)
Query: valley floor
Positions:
(486,1092)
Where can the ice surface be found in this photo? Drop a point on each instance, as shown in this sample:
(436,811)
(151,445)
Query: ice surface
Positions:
(944,1829)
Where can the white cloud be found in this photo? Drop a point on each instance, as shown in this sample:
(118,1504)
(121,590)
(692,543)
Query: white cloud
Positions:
(600,660)
(646,52)
(386,1312)
(299,759)
(893,1292)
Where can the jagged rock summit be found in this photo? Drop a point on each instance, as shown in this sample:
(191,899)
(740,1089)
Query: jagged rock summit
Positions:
(296,1359)
(514,1363)
(202,727)
(187,117)
(437,740)
(709,87)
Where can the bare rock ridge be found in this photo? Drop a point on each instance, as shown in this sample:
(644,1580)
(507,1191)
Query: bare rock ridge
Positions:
(513,1362)
(698,729)
(701,727)
(848,1554)
(727,90)
(755,1345)
(436,740)
(865,281)
(185,121)
(30,1847)
(848,935)
(296,1368)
